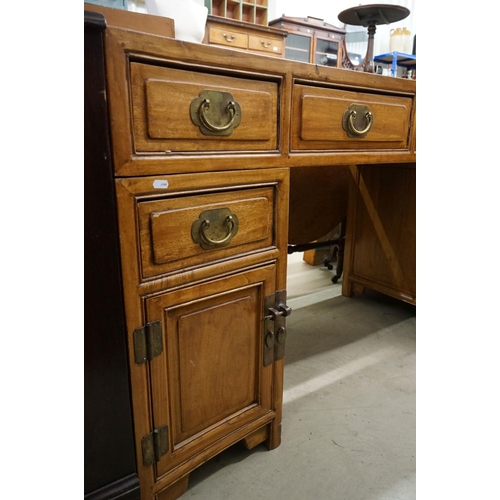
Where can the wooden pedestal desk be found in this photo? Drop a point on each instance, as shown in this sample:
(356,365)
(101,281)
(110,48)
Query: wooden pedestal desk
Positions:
(203,140)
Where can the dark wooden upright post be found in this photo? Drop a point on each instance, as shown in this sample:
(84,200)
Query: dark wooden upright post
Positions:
(110,469)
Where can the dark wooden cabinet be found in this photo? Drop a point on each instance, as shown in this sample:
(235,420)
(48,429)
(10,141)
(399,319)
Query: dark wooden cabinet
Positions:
(110,470)
(312,40)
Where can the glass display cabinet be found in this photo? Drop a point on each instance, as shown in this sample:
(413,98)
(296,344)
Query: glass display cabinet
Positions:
(312,40)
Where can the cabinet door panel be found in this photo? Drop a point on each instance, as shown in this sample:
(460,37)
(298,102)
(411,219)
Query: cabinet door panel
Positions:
(210,380)
(213,350)
(327,52)
(298,48)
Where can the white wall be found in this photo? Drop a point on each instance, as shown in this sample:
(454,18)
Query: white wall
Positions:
(137,6)
(328,11)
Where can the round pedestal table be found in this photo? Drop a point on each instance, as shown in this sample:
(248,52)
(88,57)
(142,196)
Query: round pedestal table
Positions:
(370,16)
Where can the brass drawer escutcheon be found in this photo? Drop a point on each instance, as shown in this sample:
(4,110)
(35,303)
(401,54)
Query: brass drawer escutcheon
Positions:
(357,114)
(216,113)
(214,228)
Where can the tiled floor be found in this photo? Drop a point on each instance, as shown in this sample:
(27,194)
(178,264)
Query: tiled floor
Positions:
(349,403)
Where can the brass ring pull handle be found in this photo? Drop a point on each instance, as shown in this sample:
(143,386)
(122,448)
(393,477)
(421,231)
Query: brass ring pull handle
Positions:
(230,109)
(229,38)
(206,224)
(215,112)
(214,228)
(265,44)
(354,116)
(354,130)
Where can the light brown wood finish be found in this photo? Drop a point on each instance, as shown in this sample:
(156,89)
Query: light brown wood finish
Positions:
(380,246)
(123,45)
(210,304)
(245,36)
(322,110)
(230,38)
(257,437)
(249,11)
(161,97)
(165,228)
(209,381)
(175,490)
(318,201)
(210,384)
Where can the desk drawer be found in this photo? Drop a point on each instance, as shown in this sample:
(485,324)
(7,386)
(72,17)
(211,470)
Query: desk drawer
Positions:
(170,111)
(265,44)
(228,38)
(324,120)
(174,236)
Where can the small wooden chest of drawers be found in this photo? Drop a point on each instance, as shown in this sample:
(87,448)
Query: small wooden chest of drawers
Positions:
(245,36)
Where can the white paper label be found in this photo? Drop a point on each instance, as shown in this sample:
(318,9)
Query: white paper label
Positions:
(157,184)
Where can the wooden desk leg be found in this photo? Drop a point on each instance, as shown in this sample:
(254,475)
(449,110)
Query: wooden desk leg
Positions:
(347,288)
(380,244)
(176,490)
(257,437)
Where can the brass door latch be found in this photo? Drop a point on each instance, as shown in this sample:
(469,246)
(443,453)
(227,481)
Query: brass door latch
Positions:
(275,315)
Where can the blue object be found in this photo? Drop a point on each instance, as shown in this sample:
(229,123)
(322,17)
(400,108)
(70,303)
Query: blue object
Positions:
(396,59)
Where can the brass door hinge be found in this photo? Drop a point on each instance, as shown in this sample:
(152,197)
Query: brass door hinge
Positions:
(275,313)
(148,342)
(154,445)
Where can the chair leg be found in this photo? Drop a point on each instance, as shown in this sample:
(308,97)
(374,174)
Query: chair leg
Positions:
(331,256)
(337,251)
(340,252)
